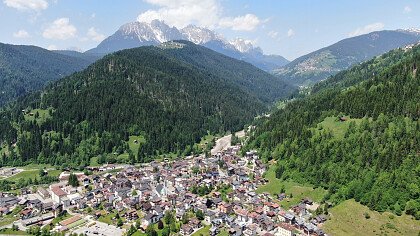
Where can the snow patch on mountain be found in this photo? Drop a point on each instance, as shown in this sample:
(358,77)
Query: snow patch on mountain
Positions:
(244,46)
(158,32)
(199,35)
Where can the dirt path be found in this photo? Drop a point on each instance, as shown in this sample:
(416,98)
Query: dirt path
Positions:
(224,142)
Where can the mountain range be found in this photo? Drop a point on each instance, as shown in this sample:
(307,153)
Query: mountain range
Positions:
(320,64)
(136,34)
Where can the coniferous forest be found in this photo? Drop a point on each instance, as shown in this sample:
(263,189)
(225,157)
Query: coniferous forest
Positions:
(376,158)
(159,93)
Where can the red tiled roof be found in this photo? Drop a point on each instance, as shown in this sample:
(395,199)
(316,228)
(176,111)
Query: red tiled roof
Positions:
(58,191)
(287,226)
(70,220)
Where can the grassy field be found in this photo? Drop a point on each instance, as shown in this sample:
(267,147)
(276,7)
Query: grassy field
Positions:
(43,115)
(338,128)
(348,218)
(27,174)
(205,231)
(134,147)
(299,191)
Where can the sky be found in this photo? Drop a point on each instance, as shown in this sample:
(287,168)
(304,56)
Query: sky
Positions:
(290,28)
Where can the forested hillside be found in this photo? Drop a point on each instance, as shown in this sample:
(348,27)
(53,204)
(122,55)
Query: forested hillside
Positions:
(319,65)
(162,95)
(27,68)
(357,135)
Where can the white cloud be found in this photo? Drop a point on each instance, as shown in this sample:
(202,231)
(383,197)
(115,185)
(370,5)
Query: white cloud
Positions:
(60,29)
(273,34)
(290,33)
(407,9)
(367,29)
(247,22)
(204,13)
(95,36)
(24,5)
(21,34)
(183,12)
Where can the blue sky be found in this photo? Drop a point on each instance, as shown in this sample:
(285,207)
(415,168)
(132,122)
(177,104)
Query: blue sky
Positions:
(290,28)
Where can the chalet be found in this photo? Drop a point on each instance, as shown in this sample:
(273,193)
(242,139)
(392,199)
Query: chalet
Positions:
(43,193)
(4,211)
(25,213)
(59,196)
(309,228)
(300,223)
(289,218)
(214,230)
(150,219)
(307,201)
(342,119)
(47,207)
(320,218)
(285,230)
(131,215)
(225,208)
(186,229)
(236,231)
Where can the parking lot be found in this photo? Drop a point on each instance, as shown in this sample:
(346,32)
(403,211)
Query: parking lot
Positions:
(94,228)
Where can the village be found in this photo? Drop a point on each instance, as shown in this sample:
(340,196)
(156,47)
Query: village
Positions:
(196,195)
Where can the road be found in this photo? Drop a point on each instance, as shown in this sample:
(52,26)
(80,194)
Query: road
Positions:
(224,142)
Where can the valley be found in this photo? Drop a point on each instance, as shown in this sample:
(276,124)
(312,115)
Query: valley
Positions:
(193,118)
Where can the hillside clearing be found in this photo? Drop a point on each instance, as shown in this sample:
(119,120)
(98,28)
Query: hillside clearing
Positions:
(298,191)
(348,218)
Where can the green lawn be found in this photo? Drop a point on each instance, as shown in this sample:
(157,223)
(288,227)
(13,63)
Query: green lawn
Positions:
(223,232)
(348,218)
(77,223)
(9,218)
(107,218)
(299,191)
(224,192)
(43,115)
(205,231)
(12,232)
(61,218)
(134,147)
(26,174)
(338,128)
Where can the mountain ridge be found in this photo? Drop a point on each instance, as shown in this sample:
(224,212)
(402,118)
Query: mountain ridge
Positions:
(136,34)
(165,94)
(24,69)
(327,61)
